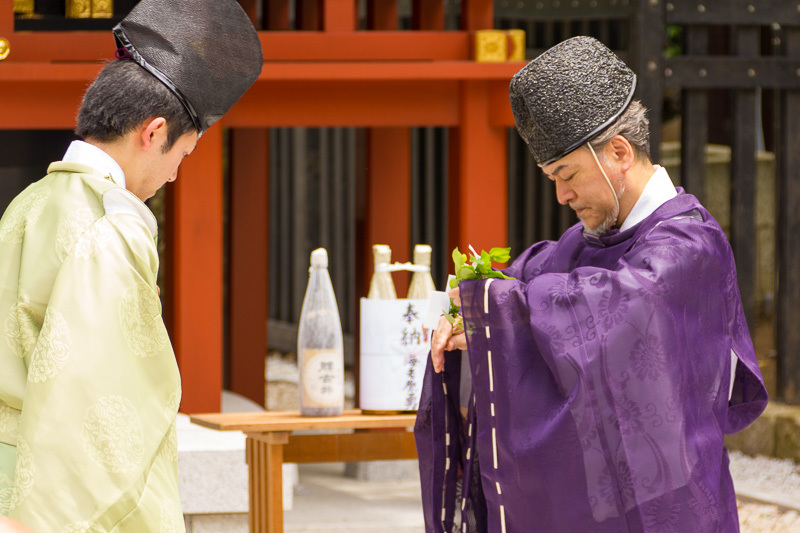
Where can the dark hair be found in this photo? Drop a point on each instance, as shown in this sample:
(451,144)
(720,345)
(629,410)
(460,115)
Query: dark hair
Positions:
(122,97)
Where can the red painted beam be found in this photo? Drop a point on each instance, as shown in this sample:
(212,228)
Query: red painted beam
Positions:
(295,71)
(42,104)
(195,244)
(347,104)
(34,102)
(249,246)
(276,45)
(388,70)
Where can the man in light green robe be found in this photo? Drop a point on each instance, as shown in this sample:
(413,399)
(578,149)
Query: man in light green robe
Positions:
(89,387)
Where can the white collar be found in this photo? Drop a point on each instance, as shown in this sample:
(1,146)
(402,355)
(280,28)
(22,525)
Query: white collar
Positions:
(90,155)
(659,190)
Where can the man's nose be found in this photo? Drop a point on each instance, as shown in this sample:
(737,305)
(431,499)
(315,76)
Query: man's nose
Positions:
(564,192)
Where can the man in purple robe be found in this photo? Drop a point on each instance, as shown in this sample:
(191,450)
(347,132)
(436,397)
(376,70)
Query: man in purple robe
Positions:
(592,392)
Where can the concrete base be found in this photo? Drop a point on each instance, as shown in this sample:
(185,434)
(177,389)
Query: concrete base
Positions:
(776,433)
(326,501)
(217,523)
(383,470)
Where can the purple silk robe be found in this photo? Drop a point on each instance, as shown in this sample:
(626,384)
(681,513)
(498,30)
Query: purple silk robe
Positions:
(600,387)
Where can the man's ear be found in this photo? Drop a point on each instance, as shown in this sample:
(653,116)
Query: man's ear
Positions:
(151,129)
(620,151)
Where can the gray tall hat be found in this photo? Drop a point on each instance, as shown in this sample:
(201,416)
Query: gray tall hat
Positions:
(569,95)
(207,52)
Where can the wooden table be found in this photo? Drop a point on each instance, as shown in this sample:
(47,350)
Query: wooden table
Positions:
(271,442)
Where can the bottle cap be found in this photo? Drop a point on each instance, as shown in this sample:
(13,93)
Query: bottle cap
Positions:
(319,258)
(382,253)
(422,254)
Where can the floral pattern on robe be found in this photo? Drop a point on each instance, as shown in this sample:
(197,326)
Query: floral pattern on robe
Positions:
(90,386)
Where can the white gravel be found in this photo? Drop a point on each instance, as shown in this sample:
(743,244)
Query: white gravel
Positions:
(766,478)
(776,484)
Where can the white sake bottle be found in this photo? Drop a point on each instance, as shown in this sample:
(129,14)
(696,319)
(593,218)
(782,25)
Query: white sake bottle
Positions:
(320,354)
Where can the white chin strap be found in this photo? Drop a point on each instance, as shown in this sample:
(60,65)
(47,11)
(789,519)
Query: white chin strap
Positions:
(613,192)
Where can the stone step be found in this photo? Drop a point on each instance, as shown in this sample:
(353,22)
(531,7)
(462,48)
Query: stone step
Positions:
(776,433)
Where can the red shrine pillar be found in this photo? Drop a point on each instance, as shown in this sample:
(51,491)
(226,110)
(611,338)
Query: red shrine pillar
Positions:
(196,252)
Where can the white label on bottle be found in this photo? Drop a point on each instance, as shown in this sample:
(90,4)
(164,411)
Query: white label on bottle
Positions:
(322,378)
(394,351)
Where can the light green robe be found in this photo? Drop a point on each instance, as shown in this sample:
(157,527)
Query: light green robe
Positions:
(89,386)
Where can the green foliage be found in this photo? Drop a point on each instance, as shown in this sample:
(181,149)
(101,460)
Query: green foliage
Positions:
(474,267)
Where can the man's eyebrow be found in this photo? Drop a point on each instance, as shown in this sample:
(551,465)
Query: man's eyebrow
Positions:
(558,169)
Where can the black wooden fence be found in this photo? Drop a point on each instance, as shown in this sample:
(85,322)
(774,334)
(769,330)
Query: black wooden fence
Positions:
(759,69)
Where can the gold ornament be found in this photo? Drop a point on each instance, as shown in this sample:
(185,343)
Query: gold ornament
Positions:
(491,46)
(516,45)
(79,9)
(102,9)
(5,48)
(23,7)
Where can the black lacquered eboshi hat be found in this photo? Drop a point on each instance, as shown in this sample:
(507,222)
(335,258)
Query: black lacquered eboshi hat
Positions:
(568,95)
(206,52)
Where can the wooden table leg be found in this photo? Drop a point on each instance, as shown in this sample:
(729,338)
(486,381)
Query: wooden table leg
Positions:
(265,459)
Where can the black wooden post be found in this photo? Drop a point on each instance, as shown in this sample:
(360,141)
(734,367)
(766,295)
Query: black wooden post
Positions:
(789,235)
(647,44)
(694,121)
(743,177)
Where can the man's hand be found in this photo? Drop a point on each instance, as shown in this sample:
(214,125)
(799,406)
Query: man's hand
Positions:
(443,338)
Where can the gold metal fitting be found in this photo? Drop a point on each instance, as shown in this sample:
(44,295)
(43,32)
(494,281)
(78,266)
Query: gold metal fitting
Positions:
(498,46)
(23,7)
(102,9)
(5,48)
(79,9)
(516,45)
(491,46)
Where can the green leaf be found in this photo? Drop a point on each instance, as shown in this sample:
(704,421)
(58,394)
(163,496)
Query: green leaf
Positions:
(500,255)
(480,266)
(484,268)
(453,311)
(450,318)
(458,258)
(467,273)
